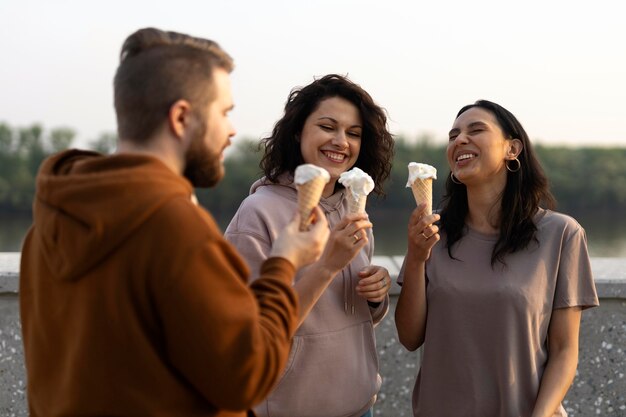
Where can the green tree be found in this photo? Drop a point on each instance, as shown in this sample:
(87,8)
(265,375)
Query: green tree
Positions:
(242,169)
(105,143)
(61,138)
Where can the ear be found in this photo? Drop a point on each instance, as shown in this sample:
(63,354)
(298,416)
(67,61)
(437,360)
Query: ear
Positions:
(179,118)
(515,147)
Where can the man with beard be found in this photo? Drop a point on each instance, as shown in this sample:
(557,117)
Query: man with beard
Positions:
(131,301)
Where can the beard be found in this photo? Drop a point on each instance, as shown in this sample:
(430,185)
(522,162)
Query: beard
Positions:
(203,168)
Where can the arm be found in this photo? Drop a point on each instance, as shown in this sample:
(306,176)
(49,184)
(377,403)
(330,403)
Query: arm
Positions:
(562,360)
(231,341)
(255,240)
(340,250)
(411,309)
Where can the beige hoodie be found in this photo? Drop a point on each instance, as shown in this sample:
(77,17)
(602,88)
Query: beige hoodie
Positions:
(332,369)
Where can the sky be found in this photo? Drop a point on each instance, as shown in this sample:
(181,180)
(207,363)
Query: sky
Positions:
(559,66)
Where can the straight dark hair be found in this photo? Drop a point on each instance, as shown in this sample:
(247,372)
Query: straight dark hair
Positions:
(525,190)
(158,68)
(282,148)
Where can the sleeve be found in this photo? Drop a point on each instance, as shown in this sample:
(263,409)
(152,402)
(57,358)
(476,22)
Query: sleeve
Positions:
(380,311)
(253,248)
(575,286)
(230,341)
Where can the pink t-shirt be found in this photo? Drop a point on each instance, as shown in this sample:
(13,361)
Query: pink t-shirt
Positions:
(485,346)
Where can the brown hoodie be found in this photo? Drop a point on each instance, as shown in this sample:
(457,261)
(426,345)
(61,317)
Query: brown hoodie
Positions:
(132,303)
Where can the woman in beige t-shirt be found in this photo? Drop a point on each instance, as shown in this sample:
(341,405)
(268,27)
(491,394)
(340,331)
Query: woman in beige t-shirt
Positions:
(497,303)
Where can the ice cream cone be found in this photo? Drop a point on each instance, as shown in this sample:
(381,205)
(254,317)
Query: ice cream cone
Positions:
(356,203)
(309,195)
(421,178)
(423,193)
(358,185)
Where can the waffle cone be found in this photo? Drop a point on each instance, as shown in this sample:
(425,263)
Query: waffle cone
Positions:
(423,193)
(356,204)
(308,197)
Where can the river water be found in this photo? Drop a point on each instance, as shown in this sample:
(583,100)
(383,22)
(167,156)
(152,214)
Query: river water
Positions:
(606,232)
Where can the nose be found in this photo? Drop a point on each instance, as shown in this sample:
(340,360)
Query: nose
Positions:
(461,139)
(340,140)
(231,129)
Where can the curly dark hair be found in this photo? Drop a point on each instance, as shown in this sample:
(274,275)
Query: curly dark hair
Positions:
(525,190)
(282,149)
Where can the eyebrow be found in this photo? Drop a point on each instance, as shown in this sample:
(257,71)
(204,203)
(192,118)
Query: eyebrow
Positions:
(469,126)
(335,121)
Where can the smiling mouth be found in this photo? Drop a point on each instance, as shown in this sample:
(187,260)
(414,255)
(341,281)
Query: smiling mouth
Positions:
(334,156)
(465,157)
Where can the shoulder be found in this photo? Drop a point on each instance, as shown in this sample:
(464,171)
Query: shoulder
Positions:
(179,232)
(181,219)
(552,220)
(262,213)
(560,229)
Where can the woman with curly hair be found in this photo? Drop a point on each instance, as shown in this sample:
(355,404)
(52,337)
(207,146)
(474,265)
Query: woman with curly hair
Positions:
(333,366)
(497,303)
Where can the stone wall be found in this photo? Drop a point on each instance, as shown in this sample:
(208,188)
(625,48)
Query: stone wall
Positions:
(598,390)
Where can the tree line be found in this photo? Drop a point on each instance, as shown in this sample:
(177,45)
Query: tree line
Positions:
(581,178)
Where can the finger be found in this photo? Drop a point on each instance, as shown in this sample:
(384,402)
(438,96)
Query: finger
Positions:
(353,217)
(349,219)
(417,213)
(319,219)
(375,283)
(429,231)
(368,270)
(361,225)
(359,240)
(373,278)
(354,239)
(431,241)
(428,220)
(375,296)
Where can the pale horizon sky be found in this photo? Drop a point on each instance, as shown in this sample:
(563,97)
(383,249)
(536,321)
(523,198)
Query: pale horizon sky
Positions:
(559,66)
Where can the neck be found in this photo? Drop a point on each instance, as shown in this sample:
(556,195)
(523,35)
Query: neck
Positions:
(329,188)
(156,148)
(484,208)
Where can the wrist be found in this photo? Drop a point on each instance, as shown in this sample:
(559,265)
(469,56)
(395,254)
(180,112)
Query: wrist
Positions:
(325,271)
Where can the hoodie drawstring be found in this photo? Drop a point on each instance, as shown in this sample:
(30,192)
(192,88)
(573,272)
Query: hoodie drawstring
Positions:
(348,297)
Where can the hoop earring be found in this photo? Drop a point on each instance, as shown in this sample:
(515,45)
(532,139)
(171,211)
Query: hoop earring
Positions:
(454,179)
(519,165)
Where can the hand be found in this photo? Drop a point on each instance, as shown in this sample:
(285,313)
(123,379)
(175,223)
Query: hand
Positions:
(374,283)
(423,234)
(346,239)
(302,247)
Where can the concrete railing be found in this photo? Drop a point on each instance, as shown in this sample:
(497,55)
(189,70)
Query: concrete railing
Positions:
(598,390)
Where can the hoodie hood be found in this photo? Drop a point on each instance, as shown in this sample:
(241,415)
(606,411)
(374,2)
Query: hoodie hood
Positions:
(88,204)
